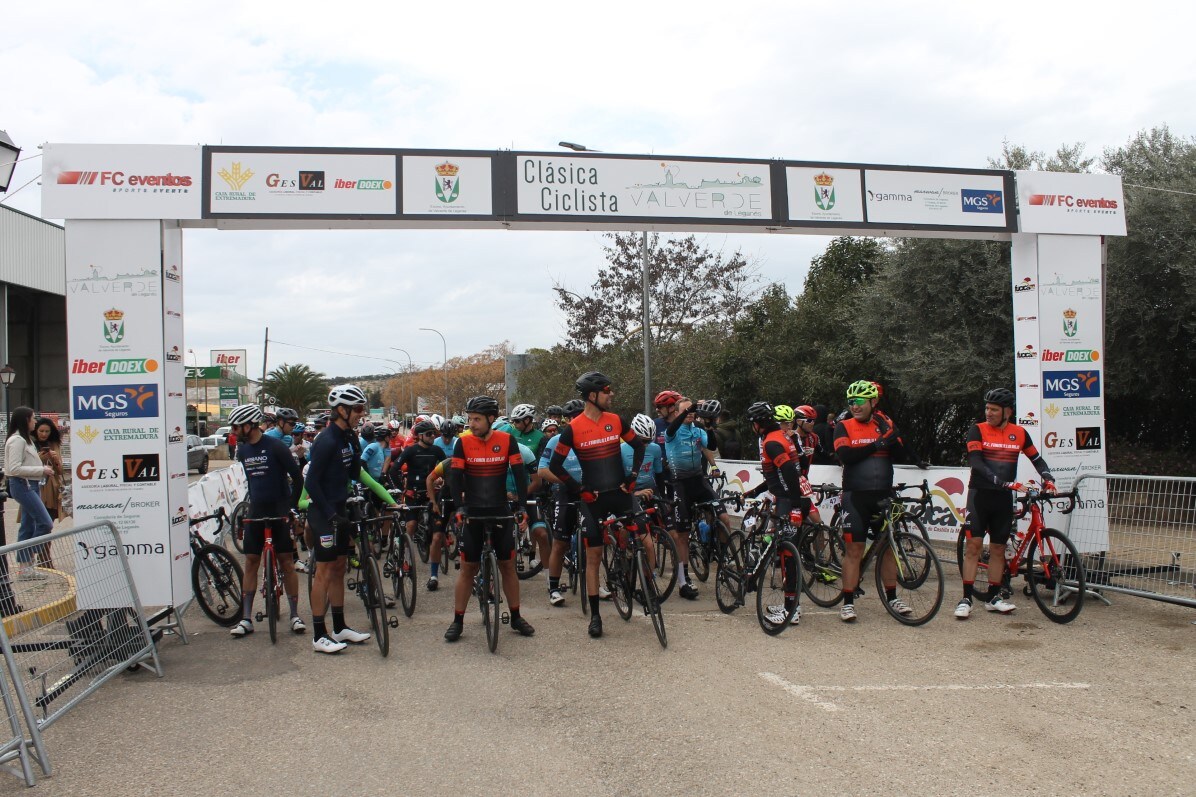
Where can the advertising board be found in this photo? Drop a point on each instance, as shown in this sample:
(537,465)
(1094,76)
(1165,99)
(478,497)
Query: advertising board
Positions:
(121,181)
(936,199)
(1078,204)
(250,182)
(447,185)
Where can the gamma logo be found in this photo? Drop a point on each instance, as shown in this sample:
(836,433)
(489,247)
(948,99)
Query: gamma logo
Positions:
(979,201)
(1071,384)
(115,401)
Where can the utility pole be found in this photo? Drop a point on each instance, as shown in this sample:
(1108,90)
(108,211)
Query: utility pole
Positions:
(265,350)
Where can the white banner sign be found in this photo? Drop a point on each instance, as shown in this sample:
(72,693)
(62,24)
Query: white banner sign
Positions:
(121,181)
(232,359)
(447,186)
(940,199)
(302,183)
(563,186)
(1079,204)
(824,194)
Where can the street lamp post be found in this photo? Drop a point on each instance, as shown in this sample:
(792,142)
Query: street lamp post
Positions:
(410,377)
(644,299)
(445,344)
(7,375)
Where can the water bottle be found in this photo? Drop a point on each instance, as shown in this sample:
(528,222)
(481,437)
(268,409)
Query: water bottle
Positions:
(704,530)
(1014,543)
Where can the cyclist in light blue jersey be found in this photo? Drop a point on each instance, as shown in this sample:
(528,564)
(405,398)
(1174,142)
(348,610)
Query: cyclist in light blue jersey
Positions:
(285,420)
(566,516)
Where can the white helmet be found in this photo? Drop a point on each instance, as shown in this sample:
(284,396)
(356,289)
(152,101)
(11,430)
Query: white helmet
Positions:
(643,426)
(246,413)
(393,425)
(550,423)
(436,420)
(522,411)
(346,396)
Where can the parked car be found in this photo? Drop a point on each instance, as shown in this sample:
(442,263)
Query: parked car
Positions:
(197,454)
(221,435)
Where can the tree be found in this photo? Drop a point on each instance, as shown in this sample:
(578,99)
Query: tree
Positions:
(477,374)
(296,386)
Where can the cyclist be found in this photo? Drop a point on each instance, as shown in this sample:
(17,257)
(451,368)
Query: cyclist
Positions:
(375,451)
(866,444)
(549,427)
(565,517)
(647,485)
(299,449)
(993,449)
(447,436)
(805,440)
(478,478)
(269,467)
(778,462)
(687,449)
(555,412)
(606,487)
(523,427)
(285,420)
(411,470)
(335,459)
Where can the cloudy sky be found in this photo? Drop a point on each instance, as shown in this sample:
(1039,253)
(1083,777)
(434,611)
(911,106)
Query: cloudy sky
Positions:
(931,84)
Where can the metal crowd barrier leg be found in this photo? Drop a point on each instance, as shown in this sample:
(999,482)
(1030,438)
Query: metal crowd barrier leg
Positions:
(72,623)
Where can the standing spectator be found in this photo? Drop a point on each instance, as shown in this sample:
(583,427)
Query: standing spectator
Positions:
(727,435)
(25,471)
(232,444)
(48,441)
(823,452)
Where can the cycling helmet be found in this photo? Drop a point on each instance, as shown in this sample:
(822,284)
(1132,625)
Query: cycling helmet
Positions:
(483,405)
(436,420)
(709,408)
(761,411)
(246,413)
(504,420)
(459,421)
(554,409)
(574,407)
(805,413)
(998,395)
(862,389)
(321,421)
(419,418)
(423,427)
(286,414)
(667,398)
(268,416)
(592,382)
(367,432)
(643,426)
(550,423)
(299,429)
(522,411)
(393,425)
(346,396)
(782,413)
(880,391)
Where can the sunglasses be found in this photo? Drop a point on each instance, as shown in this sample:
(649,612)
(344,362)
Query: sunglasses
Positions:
(359,409)
(856,402)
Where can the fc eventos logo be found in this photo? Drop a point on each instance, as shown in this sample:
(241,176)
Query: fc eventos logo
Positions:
(115,401)
(1071,384)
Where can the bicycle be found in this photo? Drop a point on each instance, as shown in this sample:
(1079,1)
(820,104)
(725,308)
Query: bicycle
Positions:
(707,537)
(368,582)
(272,578)
(917,565)
(664,549)
(422,515)
(766,561)
(238,535)
(487,584)
(399,565)
(1048,559)
(625,562)
(528,562)
(216,575)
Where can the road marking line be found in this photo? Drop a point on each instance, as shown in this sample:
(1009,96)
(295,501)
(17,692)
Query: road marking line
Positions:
(807,692)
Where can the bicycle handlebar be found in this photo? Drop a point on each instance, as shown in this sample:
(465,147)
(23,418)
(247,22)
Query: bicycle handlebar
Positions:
(219,515)
(1037,496)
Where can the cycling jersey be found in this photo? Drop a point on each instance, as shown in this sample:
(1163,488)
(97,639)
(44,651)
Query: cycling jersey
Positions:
(479,470)
(684,444)
(372,458)
(533,439)
(419,460)
(277,434)
(529,465)
(993,452)
(335,459)
(597,445)
(445,446)
(778,461)
(866,466)
(645,478)
(572,465)
(269,467)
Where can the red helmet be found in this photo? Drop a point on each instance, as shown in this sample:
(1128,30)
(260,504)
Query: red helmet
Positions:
(880,391)
(805,413)
(667,398)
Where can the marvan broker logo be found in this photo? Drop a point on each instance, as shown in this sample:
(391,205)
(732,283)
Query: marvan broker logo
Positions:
(115,401)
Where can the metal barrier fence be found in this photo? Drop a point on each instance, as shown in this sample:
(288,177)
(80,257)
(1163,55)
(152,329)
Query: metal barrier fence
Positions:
(71,622)
(1138,534)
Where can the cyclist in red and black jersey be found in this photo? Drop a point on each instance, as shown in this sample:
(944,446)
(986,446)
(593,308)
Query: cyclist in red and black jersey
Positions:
(778,461)
(478,477)
(606,488)
(993,450)
(866,444)
(411,469)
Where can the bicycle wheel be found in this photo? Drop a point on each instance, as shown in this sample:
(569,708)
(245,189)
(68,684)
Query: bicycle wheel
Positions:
(423,533)
(728,582)
(919,587)
(216,581)
(527,561)
(778,587)
(822,553)
(370,589)
(908,524)
(491,599)
(238,530)
(666,562)
(401,564)
(651,599)
(699,565)
(580,581)
(614,575)
(1055,576)
(271,579)
(980,583)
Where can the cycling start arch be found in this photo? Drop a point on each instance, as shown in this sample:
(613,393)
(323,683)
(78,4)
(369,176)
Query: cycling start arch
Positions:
(126,207)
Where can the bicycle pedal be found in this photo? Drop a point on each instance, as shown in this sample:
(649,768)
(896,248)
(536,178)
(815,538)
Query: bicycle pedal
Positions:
(351,584)
(259,617)
(506,619)
(393,622)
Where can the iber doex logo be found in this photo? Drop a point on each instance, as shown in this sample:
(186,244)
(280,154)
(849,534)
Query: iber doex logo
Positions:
(167,180)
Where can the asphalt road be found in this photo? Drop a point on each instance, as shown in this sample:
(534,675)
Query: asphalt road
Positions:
(1008,705)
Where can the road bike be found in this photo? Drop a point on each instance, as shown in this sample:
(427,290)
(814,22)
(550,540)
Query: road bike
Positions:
(628,574)
(487,584)
(707,536)
(272,576)
(366,581)
(528,562)
(399,565)
(216,575)
(762,559)
(1048,559)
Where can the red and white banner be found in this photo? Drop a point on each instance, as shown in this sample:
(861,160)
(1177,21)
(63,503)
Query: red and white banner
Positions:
(1078,204)
(121,181)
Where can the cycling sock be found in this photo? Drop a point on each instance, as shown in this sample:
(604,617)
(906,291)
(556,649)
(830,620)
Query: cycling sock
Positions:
(338,619)
(594,604)
(294,601)
(458,618)
(318,629)
(849,597)
(247,605)
(968,587)
(554,583)
(435,569)
(514,613)
(680,573)
(890,594)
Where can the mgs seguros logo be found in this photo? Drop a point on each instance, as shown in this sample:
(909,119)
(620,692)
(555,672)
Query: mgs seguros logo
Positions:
(114,401)
(982,201)
(1071,384)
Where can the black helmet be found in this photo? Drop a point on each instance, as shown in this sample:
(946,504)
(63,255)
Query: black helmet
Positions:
(761,412)
(573,408)
(321,420)
(286,414)
(367,431)
(709,408)
(423,427)
(592,382)
(554,409)
(999,396)
(483,405)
